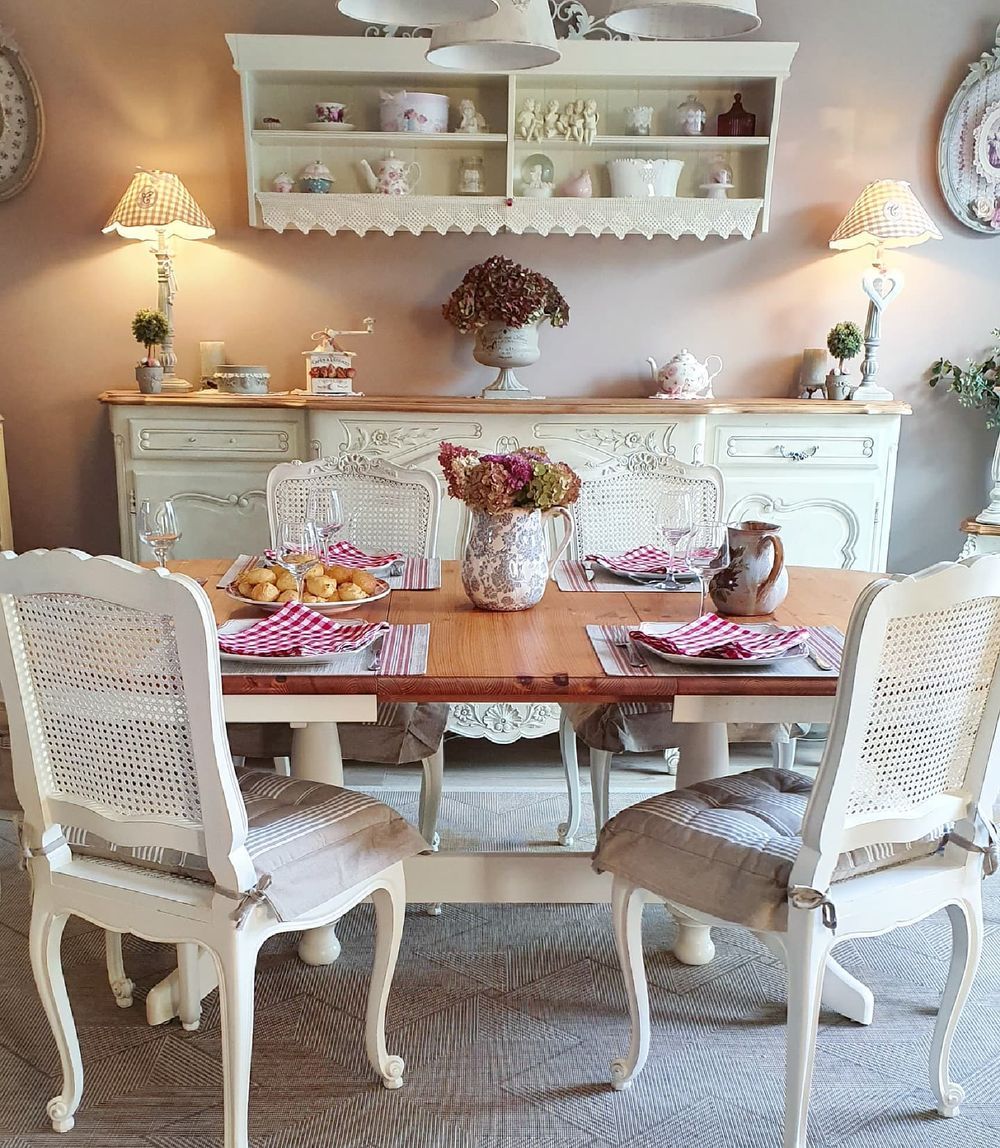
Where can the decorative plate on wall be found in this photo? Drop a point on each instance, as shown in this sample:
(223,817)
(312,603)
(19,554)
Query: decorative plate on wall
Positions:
(969,151)
(22,125)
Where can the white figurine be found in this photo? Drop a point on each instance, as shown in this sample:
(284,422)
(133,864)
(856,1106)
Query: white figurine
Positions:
(472,122)
(536,187)
(530,121)
(551,120)
(573,121)
(591,118)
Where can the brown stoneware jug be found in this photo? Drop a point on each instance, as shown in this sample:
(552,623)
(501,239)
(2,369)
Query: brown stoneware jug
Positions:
(755,581)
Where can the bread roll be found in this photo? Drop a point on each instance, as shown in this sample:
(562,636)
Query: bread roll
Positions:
(286,581)
(307,598)
(245,589)
(265,592)
(259,576)
(366,580)
(288,596)
(339,573)
(322,587)
(349,592)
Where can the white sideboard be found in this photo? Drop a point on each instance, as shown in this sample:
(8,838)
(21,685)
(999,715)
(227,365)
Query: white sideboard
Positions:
(823,471)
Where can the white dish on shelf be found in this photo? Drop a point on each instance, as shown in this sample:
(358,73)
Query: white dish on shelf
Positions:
(319,607)
(238,625)
(323,126)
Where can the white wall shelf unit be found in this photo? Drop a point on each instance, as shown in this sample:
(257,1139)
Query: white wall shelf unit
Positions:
(284,76)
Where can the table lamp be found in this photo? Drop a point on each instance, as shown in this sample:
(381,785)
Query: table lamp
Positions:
(156,207)
(886,214)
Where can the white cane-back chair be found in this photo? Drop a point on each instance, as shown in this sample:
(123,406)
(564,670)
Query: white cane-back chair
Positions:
(616,511)
(135,819)
(388,508)
(912,749)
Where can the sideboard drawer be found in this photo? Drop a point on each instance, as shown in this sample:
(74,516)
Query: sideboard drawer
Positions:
(265,441)
(794,446)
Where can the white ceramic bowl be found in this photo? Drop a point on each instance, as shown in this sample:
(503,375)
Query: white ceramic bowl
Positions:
(237,379)
(414,112)
(643,178)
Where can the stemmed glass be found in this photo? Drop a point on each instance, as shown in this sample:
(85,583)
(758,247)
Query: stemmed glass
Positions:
(158,528)
(708,553)
(324,511)
(674,518)
(297,549)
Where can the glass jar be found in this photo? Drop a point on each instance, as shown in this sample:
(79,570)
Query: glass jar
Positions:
(692,117)
(471,180)
(737,121)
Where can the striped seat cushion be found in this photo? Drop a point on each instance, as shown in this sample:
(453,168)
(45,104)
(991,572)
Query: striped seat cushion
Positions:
(726,847)
(312,841)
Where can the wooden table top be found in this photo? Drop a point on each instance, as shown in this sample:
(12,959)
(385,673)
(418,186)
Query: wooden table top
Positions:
(542,654)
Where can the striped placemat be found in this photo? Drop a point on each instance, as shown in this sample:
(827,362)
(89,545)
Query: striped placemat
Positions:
(637,662)
(418,573)
(577,576)
(403,651)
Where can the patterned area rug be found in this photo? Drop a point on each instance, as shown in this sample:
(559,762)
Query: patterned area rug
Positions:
(508,1018)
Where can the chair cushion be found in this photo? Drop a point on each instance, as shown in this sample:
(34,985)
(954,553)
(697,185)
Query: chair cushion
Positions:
(403,733)
(312,840)
(726,847)
(646,727)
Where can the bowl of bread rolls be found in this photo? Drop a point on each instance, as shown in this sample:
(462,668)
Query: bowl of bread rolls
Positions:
(327,589)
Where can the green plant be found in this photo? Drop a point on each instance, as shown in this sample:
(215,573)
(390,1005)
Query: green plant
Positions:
(975,384)
(151,329)
(844,342)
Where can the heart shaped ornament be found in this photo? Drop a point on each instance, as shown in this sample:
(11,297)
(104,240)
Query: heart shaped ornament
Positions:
(882,286)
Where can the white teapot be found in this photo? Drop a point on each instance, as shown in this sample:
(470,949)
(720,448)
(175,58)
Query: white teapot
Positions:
(684,377)
(391,176)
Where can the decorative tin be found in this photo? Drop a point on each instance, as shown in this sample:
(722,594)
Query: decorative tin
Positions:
(329,367)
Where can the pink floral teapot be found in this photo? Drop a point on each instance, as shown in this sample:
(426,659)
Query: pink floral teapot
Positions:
(391,176)
(684,377)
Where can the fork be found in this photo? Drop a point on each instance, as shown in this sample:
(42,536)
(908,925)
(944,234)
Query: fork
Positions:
(621,640)
(372,666)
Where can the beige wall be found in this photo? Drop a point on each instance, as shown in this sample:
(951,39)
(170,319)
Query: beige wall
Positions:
(150,83)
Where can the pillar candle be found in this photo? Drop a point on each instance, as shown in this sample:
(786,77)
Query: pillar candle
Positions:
(213,355)
(815,362)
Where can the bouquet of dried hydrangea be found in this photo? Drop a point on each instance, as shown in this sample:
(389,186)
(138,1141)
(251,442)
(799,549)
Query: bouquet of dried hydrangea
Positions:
(501,290)
(525,479)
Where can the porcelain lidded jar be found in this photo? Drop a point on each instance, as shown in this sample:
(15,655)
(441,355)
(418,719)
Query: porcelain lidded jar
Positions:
(316,178)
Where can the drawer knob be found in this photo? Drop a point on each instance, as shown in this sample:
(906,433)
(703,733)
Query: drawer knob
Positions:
(797,455)
(232,440)
(192,438)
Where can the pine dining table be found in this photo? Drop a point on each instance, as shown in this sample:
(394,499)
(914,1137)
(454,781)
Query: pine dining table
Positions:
(539,655)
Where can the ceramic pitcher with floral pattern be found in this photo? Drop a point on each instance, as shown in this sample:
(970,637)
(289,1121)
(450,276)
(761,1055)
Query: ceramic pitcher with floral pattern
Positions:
(755,581)
(506,564)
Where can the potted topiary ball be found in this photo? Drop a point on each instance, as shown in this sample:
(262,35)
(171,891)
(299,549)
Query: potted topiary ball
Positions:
(844,342)
(150,328)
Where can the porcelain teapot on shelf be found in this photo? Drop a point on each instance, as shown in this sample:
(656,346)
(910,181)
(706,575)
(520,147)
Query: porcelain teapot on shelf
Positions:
(684,377)
(391,176)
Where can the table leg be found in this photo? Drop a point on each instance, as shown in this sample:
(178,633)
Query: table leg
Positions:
(693,945)
(704,752)
(316,757)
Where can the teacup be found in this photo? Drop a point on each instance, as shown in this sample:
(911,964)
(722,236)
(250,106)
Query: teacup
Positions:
(329,112)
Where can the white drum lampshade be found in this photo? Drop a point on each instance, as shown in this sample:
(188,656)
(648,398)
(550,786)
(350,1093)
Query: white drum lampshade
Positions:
(684,19)
(521,35)
(417,13)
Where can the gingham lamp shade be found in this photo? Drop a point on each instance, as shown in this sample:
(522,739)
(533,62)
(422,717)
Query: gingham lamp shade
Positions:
(157,201)
(886,214)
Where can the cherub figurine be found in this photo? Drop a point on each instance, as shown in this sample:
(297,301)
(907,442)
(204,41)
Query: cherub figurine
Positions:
(551,121)
(472,122)
(529,122)
(591,117)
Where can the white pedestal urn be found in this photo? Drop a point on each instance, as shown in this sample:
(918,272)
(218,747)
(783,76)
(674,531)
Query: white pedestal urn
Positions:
(507,348)
(506,565)
(991,515)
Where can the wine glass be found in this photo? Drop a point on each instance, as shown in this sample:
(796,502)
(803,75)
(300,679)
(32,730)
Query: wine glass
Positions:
(708,553)
(158,528)
(324,511)
(297,549)
(674,519)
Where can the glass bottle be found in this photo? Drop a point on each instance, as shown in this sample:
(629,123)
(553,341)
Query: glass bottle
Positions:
(470,176)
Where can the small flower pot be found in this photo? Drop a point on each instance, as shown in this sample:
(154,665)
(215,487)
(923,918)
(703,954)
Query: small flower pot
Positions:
(150,379)
(839,386)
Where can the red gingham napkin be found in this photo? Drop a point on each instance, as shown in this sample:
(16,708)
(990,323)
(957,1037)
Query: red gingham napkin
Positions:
(713,637)
(296,631)
(344,554)
(644,560)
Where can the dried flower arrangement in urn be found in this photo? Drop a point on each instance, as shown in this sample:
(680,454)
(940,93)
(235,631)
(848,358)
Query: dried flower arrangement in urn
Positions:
(504,304)
(506,564)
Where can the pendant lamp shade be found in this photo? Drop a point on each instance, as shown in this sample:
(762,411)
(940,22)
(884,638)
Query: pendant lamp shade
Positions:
(417,13)
(521,35)
(684,19)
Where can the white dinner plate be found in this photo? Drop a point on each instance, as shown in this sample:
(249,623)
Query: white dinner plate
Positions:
(687,576)
(319,607)
(238,625)
(724,663)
